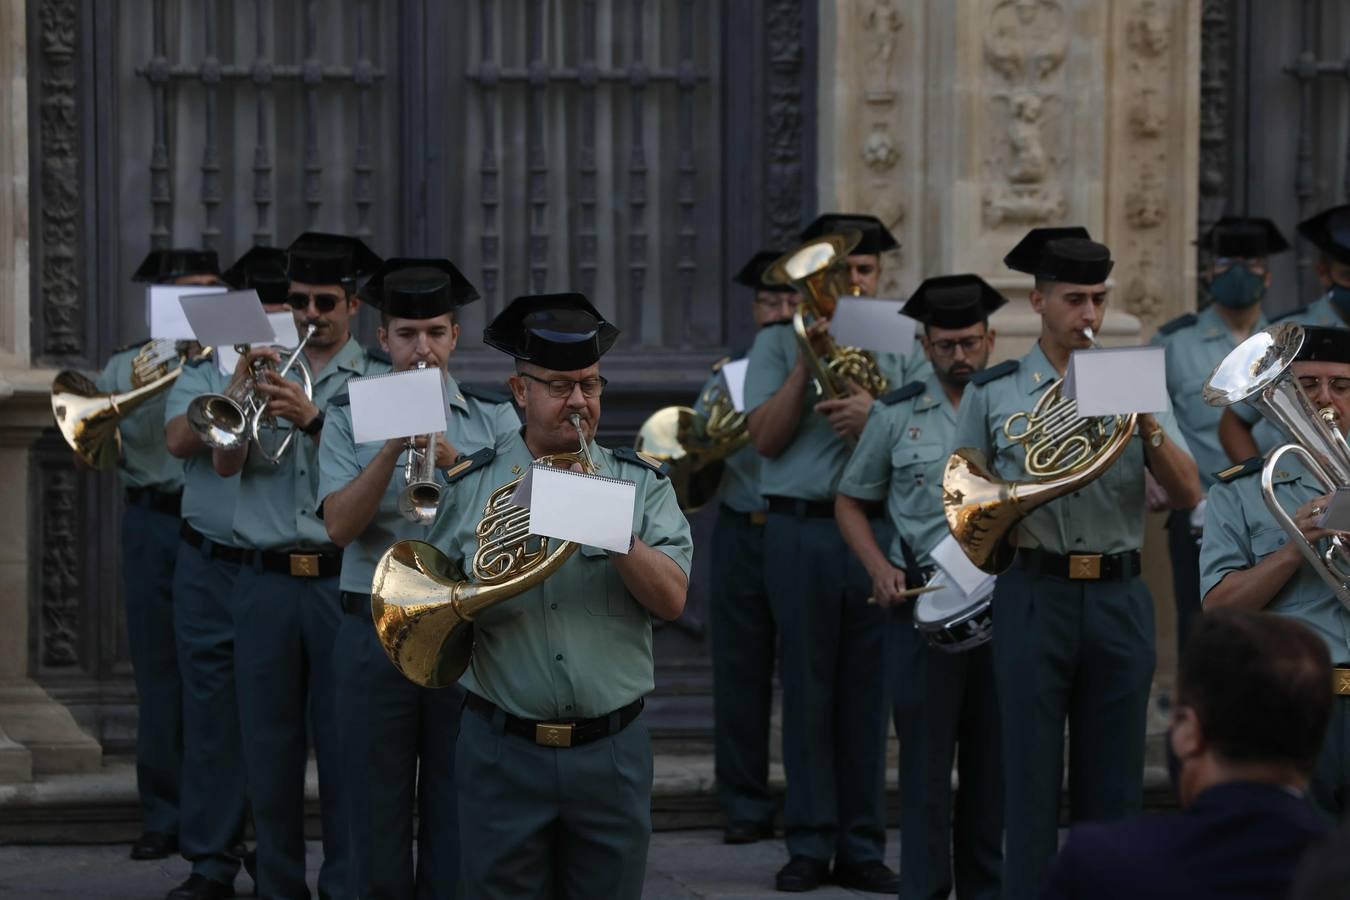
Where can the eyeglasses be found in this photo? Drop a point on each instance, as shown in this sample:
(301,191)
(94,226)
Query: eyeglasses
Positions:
(968,344)
(775,300)
(561,388)
(1339,386)
(324,303)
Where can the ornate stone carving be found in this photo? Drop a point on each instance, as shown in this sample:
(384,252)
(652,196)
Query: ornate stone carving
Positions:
(1143,293)
(1215,100)
(1146,205)
(786,178)
(1026,40)
(1148,32)
(1147,115)
(882,24)
(879,150)
(59,621)
(61,323)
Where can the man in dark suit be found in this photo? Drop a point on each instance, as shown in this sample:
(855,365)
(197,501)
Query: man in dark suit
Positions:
(1253,702)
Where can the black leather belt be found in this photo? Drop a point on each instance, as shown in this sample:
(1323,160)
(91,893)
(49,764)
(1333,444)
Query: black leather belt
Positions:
(563,733)
(750,518)
(1081,566)
(195,538)
(358,605)
(802,509)
(149,498)
(300,563)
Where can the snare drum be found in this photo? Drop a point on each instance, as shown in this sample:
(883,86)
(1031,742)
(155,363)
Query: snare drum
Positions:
(951,621)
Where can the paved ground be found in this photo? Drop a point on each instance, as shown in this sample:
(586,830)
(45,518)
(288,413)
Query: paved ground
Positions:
(682,865)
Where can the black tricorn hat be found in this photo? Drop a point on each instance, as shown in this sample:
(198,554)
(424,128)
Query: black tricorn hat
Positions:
(752,273)
(162,266)
(563,332)
(1061,254)
(1322,344)
(1244,237)
(318,258)
(876,238)
(953,301)
(413,288)
(264,270)
(1329,231)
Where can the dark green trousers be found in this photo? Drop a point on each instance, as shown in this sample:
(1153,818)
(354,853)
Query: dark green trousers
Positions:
(1183,546)
(834,691)
(543,823)
(1330,788)
(743,639)
(946,711)
(1075,651)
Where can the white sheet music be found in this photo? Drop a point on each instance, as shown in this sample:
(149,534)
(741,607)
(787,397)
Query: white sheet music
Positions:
(164,312)
(397,404)
(573,506)
(283,327)
(873,323)
(964,574)
(235,317)
(1117,381)
(733,375)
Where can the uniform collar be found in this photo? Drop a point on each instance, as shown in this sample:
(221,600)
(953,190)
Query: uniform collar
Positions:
(1036,371)
(453,395)
(934,396)
(351,358)
(1211,325)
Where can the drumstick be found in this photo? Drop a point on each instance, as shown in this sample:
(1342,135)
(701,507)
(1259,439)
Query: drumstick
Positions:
(912,592)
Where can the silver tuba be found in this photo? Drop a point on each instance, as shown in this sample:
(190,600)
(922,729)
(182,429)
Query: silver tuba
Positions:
(1257,371)
(421,495)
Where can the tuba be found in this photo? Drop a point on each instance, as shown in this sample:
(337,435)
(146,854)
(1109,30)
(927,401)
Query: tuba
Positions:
(693,444)
(421,495)
(818,270)
(424,615)
(227,421)
(89,419)
(1257,371)
(1064,452)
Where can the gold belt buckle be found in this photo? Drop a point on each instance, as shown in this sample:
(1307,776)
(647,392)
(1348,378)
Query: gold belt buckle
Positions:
(1340,682)
(1085,566)
(758,518)
(305,565)
(548,735)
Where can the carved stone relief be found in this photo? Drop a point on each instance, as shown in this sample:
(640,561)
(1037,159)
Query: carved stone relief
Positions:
(60,591)
(786,177)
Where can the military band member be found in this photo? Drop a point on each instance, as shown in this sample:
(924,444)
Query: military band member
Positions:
(214,798)
(1247,560)
(1241,429)
(1074,636)
(743,633)
(285,599)
(152,484)
(554,764)
(942,701)
(832,640)
(1237,279)
(398,738)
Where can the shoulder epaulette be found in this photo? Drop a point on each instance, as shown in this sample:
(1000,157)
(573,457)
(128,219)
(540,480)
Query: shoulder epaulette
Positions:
(1288,315)
(1232,473)
(379,355)
(132,346)
(471,463)
(1178,323)
(486,394)
(628,454)
(913,389)
(984,376)
(717,366)
(342,399)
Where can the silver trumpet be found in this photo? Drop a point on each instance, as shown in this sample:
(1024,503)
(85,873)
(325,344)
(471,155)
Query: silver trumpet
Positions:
(227,421)
(1258,371)
(421,495)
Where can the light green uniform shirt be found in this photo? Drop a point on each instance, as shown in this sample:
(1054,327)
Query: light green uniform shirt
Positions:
(471,424)
(900,457)
(1106,515)
(1320,312)
(810,466)
(208,499)
(578,645)
(145,460)
(1192,353)
(1240,532)
(740,481)
(278,504)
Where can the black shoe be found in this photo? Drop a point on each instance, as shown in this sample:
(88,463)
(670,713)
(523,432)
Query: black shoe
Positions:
(199,887)
(154,845)
(251,867)
(746,832)
(873,877)
(802,873)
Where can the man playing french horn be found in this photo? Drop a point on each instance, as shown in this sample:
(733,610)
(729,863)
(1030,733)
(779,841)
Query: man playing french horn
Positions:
(398,738)
(1074,634)
(553,764)
(1248,561)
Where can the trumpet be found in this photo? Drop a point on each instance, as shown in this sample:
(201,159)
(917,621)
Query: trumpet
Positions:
(421,495)
(228,421)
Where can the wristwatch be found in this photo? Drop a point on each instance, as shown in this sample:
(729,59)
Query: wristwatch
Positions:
(314,425)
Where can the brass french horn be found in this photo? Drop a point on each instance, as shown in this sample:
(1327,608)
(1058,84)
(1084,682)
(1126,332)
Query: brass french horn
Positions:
(424,614)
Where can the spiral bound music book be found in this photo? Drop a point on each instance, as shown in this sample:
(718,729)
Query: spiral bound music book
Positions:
(594,510)
(397,404)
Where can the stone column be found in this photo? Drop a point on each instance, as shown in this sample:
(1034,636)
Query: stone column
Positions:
(37,734)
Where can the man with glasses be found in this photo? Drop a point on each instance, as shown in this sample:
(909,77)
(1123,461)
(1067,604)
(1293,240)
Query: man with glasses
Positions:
(1248,561)
(553,764)
(1238,278)
(940,700)
(286,596)
(398,738)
